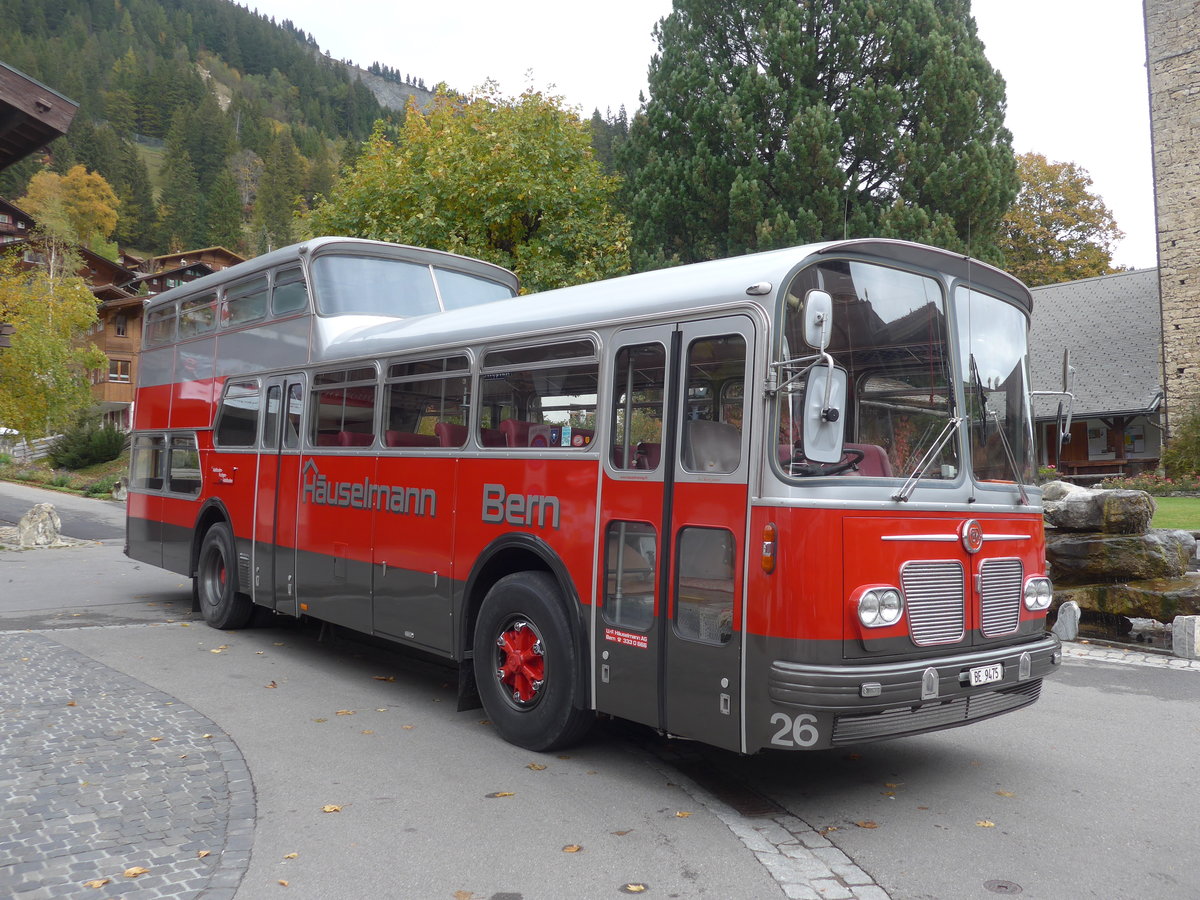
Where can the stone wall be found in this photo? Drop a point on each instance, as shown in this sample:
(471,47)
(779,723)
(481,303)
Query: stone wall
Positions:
(1173,58)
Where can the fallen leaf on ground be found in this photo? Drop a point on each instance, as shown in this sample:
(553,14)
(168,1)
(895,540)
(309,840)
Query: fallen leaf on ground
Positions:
(408,727)
(155,740)
(867,824)
(1005,794)
(384,677)
(345,712)
(71,703)
(271,685)
(366,731)
(134,871)
(206,735)
(537,767)
(320,720)
(633,888)
(827,829)
(283,883)
(984,823)
(485,721)
(621,833)
(291,856)
(200,854)
(331,808)
(98,883)
(682,814)
(572,848)
(463,895)
(500,794)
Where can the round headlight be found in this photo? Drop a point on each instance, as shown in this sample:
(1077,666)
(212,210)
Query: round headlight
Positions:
(1038,594)
(868,609)
(890,606)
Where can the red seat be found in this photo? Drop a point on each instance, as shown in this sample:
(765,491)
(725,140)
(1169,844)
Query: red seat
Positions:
(875,460)
(355,439)
(492,437)
(647,455)
(450,435)
(515,431)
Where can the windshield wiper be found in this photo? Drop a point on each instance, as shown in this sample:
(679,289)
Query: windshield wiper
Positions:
(907,488)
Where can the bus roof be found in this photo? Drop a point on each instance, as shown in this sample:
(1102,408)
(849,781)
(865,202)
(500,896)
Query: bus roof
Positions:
(648,295)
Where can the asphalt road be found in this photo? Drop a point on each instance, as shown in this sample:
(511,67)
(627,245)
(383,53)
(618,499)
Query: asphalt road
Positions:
(1090,793)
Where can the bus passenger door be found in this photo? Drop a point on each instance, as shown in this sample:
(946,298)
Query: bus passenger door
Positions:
(626,627)
(706,531)
(277,496)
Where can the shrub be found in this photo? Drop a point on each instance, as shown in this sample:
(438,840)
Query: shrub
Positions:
(86,444)
(1155,484)
(1181,457)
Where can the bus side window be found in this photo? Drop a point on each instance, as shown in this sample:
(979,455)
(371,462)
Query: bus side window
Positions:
(244,302)
(237,419)
(629,575)
(638,383)
(712,436)
(183,475)
(344,408)
(704,592)
(540,397)
(290,293)
(422,395)
(291,422)
(146,467)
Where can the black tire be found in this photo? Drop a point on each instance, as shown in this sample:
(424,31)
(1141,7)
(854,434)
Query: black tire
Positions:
(216,582)
(526,667)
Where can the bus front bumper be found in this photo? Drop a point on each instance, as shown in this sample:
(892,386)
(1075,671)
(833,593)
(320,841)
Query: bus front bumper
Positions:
(881,700)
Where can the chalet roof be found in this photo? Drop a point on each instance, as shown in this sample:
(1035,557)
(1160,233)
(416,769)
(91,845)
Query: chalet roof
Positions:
(166,258)
(31,115)
(1113,328)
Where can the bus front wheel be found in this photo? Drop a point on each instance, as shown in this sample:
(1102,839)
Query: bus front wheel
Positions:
(526,667)
(216,585)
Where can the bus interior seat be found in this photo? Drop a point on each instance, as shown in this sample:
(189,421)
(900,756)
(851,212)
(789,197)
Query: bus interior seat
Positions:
(327,439)
(647,455)
(710,446)
(516,432)
(355,439)
(409,439)
(450,434)
(875,460)
(492,437)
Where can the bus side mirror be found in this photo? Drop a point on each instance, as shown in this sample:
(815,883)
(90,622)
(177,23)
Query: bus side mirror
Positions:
(818,319)
(824,402)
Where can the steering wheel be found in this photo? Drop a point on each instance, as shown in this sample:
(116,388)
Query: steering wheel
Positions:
(851,457)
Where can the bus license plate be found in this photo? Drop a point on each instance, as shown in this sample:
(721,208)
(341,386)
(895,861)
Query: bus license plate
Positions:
(986,674)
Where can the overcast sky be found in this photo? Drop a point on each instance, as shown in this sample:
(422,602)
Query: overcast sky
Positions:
(1075,70)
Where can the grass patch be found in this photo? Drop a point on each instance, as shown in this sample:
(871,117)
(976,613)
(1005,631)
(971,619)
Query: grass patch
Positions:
(93,481)
(1177,512)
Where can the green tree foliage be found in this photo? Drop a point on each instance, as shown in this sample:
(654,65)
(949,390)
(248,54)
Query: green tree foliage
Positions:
(278,191)
(512,181)
(87,443)
(224,213)
(1181,456)
(772,122)
(44,382)
(180,205)
(1057,229)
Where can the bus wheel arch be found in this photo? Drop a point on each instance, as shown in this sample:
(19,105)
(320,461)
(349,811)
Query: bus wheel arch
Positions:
(526,669)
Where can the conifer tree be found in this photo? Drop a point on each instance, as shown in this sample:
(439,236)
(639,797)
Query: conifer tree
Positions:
(773,122)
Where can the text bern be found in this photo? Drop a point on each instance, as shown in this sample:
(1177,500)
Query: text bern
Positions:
(518,509)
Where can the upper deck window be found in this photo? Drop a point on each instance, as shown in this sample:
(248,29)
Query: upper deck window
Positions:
(244,302)
(460,290)
(371,286)
(380,286)
(290,294)
(160,326)
(198,315)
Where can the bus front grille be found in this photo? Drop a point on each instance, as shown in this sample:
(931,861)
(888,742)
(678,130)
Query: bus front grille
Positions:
(933,592)
(1001,583)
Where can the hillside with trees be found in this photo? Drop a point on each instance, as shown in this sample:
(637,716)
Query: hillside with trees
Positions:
(212,124)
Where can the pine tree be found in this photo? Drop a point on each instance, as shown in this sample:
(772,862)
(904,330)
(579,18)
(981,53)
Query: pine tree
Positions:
(224,213)
(772,123)
(278,191)
(180,208)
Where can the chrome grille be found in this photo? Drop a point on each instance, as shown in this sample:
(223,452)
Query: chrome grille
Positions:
(1000,585)
(933,594)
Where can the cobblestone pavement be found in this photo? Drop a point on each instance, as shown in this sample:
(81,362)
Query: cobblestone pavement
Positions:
(102,775)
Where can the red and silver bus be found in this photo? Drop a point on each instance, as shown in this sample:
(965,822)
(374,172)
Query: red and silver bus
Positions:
(783,500)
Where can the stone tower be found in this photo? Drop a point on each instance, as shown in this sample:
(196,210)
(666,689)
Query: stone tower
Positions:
(1173,60)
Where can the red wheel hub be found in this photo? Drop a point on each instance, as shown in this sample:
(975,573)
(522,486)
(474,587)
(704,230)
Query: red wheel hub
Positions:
(522,661)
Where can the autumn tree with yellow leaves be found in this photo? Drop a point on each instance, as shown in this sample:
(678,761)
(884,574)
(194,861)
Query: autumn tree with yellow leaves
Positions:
(80,207)
(44,383)
(1057,230)
(509,180)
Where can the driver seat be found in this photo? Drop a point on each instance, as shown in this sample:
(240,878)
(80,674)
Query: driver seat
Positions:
(875,462)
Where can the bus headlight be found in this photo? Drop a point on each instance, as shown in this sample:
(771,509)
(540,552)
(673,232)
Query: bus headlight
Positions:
(879,607)
(1038,593)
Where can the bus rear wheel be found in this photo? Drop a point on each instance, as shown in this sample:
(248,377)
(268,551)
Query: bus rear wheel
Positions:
(216,585)
(526,667)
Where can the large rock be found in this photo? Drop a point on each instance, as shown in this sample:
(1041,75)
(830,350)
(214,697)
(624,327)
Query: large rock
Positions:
(1092,558)
(1160,599)
(39,527)
(1070,507)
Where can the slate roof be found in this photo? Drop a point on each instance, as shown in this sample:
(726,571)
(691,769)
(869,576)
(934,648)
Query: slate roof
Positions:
(1113,327)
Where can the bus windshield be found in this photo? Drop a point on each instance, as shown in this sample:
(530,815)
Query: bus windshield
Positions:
(992,336)
(889,333)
